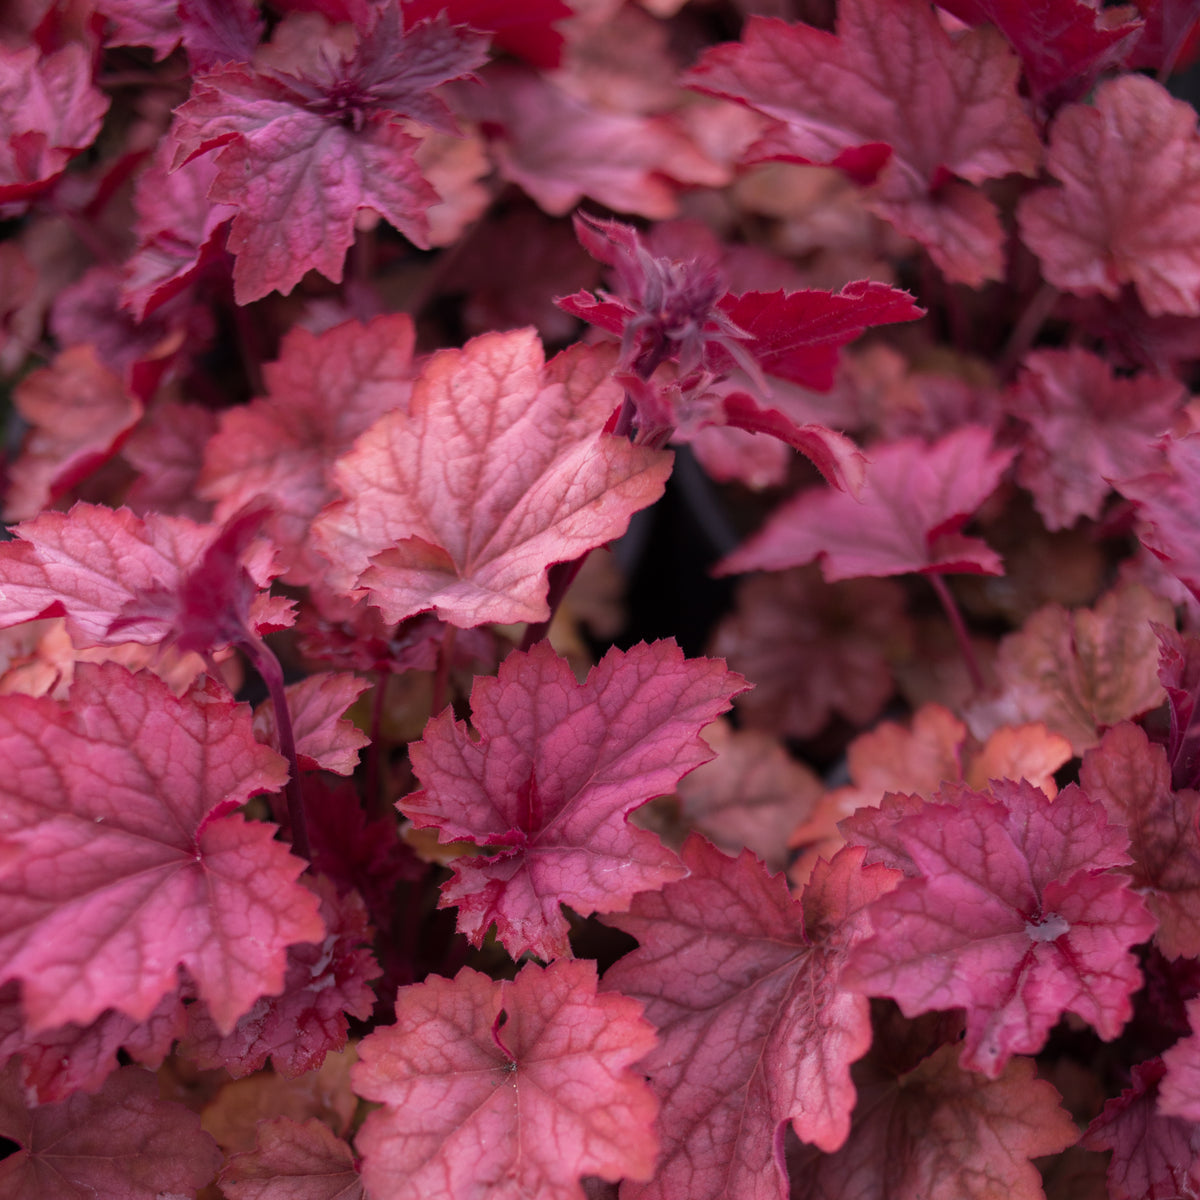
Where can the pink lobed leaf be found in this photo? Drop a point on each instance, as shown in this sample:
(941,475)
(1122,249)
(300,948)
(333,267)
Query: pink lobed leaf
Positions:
(323,391)
(937,1132)
(121,860)
(1064,44)
(1179,1093)
(121,578)
(891,96)
(1087,427)
(301,151)
(506,1088)
(497,470)
(549,778)
(49,111)
(1153,1154)
(1013,917)
(325,741)
(324,982)
(743,984)
(1131,778)
(57,1063)
(123,1141)
(1128,210)
(78,413)
(915,500)
(1166,500)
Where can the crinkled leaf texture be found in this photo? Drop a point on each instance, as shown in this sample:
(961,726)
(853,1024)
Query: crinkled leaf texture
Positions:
(1128,210)
(121,578)
(78,412)
(1179,1094)
(549,776)
(1079,672)
(325,740)
(1166,501)
(1129,775)
(506,1089)
(915,500)
(1087,426)
(1153,1154)
(498,470)
(1063,44)
(49,111)
(325,981)
(937,1132)
(742,981)
(323,392)
(300,153)
(56,1063)
(121,859)
(293,1160)
(892,96)
(1013,917)
(123,1141)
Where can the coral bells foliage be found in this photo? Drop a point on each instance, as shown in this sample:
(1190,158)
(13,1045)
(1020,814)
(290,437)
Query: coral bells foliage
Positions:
(398,795)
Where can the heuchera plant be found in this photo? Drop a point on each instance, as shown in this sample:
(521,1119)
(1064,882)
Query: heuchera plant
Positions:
(601,600)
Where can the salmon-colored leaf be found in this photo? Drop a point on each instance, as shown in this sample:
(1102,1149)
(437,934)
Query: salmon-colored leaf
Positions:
(506,1088)
(498,469)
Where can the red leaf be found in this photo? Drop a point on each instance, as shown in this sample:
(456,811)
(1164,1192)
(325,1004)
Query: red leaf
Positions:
(1087,427)
(78,412)
(937,1132)
(293,1160)
(324,982)
(120,858)
(525,29)
(323,392)
(124,1141)
(915,500)
(742,982)
(550,776)
(1130,777)
(324,740)
(49,111)
(1153,1155)
(498,470)
(300,153)
(120,578)
(891,95)
(1014,918)
(506,1088)
(1064,44)
(798,335)
(1129,207)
